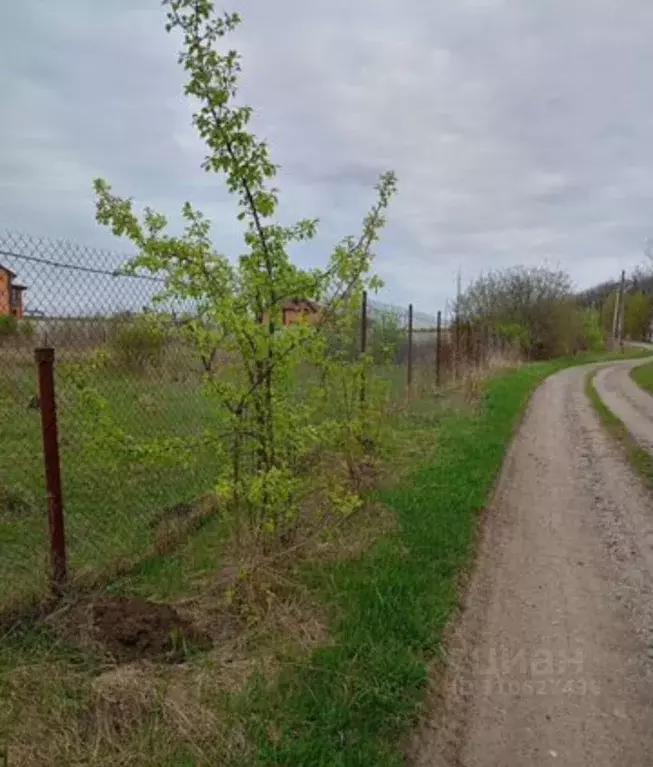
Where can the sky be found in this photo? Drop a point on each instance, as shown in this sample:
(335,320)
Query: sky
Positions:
(521,131)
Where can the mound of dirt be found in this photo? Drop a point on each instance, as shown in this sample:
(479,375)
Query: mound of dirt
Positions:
(135,628)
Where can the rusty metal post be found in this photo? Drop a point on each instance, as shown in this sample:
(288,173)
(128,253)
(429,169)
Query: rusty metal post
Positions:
(363,342)
(438,348)
(409,372)
(45,362)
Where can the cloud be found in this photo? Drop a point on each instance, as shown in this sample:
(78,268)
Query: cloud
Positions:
(519,131)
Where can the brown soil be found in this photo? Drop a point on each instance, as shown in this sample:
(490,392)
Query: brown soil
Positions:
(135,628)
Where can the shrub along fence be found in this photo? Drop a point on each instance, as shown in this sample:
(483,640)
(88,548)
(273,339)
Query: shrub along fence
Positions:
(108,446)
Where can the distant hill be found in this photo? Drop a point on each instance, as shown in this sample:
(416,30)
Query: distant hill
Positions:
(598,293)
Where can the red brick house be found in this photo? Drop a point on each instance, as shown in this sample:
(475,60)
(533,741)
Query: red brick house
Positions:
(11,294)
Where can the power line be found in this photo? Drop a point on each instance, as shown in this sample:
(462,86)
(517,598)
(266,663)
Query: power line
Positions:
(79,268)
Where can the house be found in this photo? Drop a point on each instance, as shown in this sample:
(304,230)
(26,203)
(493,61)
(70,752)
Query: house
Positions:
(11,294)
(301,310)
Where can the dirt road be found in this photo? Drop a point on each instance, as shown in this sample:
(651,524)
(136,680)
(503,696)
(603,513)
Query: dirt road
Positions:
(552,660)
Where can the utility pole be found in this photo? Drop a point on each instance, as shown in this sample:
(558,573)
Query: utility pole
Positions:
(616,313)
(622,308)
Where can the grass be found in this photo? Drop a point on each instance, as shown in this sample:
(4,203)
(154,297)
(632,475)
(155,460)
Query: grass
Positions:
(110,510)
(643,376)
(356,699)
(271,696)
(63,704)
(639,458)
(55,680)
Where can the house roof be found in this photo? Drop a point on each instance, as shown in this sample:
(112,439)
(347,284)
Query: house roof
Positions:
(4,269)
(301,303)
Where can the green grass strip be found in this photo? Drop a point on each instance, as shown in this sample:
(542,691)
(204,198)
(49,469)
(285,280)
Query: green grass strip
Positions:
(640,459)
(356,700)
(643,376)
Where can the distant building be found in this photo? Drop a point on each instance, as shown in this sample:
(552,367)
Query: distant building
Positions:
(11,294)
(302,310)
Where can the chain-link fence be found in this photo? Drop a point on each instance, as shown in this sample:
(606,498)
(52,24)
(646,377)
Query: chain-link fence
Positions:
(118,377)
(123,380)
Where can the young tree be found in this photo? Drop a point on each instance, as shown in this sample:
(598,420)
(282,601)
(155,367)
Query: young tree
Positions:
(238,302)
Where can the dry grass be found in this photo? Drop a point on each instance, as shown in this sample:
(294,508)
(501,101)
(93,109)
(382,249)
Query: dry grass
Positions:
(355,536)
(71,703)
(138,714)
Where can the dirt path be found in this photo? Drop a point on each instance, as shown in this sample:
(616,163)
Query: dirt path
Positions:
(552,660)
(627,401)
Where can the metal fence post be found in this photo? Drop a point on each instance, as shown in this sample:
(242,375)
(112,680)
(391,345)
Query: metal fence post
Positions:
(363,342)
(438,348)
(45,362)
(409,372)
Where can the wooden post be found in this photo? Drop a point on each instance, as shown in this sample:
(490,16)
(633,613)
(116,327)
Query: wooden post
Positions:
(438,349)
(615,314)
(45,362)
(409,372)
(622,308)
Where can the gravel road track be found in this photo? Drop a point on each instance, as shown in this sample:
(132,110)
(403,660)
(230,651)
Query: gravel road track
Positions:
(551,662)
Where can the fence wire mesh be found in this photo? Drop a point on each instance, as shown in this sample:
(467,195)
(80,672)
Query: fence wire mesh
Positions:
(123,379)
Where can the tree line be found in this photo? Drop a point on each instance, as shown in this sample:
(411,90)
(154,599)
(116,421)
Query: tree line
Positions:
(537,309)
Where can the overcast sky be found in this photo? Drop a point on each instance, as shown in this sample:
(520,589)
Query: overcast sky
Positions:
(520,130)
